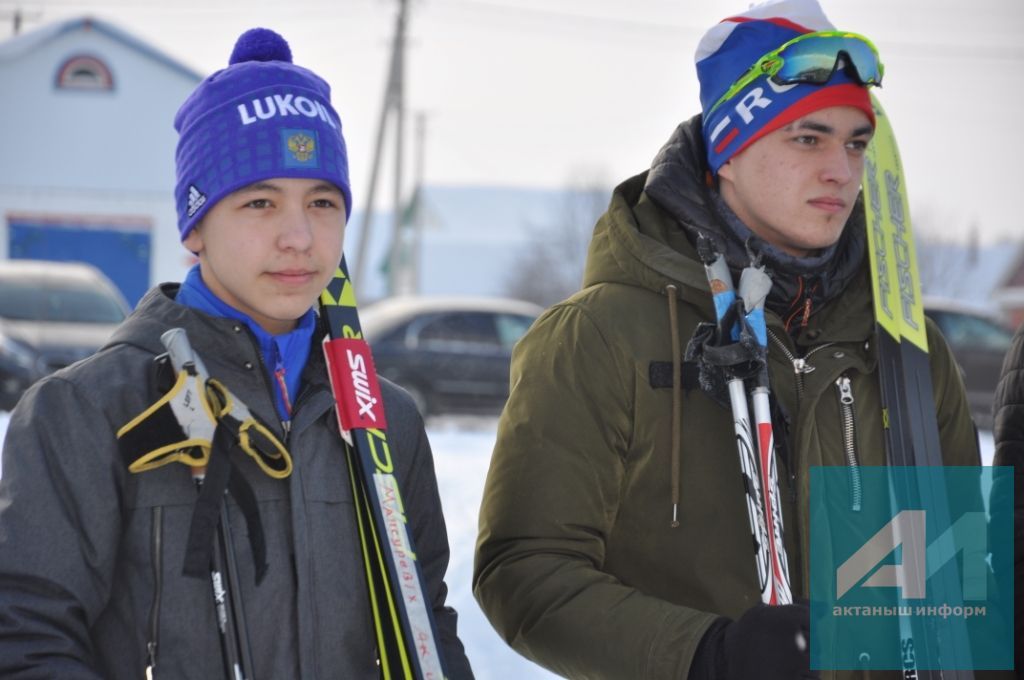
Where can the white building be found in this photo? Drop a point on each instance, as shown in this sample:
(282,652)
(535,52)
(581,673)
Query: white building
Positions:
(87,151)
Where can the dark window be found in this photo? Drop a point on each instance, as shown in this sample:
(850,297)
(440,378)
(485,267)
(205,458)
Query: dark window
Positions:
(967,331)
(24,302)
(464,328)
(511,327)
(395,336)
(84,72)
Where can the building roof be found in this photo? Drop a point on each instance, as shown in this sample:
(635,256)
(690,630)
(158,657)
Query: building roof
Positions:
(27,42)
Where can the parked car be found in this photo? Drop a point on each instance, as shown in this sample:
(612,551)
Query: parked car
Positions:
(979,341)
(451,353)
(51,315)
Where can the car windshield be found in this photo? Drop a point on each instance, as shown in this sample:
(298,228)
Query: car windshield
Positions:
(969,331)
(23,302)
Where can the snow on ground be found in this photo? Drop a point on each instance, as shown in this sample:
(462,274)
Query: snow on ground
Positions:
(462,452)
(988,447)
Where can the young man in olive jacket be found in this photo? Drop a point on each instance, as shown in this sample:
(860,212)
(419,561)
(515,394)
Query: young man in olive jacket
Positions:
(614,535)
(95,534)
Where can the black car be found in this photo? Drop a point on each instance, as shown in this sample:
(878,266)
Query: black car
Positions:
(51,315)
(979,341)
(451,353)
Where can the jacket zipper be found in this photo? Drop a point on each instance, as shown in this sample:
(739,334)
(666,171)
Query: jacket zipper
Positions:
(849,444)
(801,367)
(304,390)
(154,612)
(800,364)
(286,425)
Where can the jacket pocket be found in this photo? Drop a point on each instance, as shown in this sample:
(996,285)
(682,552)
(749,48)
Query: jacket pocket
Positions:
(325,476)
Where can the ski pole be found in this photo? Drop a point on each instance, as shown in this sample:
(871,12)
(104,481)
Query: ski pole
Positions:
(235,647)
(724,297)
(754,287)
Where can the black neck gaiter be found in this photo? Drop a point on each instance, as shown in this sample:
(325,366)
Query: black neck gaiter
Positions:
(801,285)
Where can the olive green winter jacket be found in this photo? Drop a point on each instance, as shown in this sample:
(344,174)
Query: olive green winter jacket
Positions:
(578,565)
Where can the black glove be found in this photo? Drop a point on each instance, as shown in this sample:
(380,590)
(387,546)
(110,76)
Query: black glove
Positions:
(768,643)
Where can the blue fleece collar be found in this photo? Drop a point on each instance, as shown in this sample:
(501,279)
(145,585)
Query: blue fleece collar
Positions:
(284,356)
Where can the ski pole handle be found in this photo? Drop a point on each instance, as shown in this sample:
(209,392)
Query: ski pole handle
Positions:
(227,601)
(181,354)
(184,358)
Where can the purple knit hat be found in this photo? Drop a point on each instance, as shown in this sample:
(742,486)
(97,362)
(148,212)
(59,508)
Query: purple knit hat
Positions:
(259,118)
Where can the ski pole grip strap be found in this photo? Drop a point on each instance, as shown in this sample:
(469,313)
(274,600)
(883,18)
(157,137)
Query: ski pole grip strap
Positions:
(206,513)
(242,492)
(221,476)
(178,427)
(253,436)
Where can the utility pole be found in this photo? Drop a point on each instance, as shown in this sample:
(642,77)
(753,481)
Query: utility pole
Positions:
(394,103)
(416,247)
(406,242)
(18,17)
(397,254)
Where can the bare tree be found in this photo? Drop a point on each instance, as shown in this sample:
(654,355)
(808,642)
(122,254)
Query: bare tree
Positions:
(549,267)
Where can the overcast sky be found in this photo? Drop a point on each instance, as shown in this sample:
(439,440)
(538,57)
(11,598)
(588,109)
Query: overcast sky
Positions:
(567,92)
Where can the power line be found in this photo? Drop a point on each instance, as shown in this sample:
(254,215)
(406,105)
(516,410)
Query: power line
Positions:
(484,12)
(617,23)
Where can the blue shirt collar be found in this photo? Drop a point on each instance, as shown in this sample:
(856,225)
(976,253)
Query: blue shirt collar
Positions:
(284,356)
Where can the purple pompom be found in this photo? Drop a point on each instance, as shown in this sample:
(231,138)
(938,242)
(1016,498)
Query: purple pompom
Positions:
(260,44)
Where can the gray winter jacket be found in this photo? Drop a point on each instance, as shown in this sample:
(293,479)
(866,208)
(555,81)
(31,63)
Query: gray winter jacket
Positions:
(91,555)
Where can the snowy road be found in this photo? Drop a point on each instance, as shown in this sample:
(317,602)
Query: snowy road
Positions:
(462,451)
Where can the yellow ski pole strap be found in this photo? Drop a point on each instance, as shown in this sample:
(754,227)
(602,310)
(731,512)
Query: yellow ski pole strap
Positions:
(195,416)
(177,428)
(253,435)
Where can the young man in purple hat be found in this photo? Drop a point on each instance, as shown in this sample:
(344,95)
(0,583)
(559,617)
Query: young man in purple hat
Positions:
(95,528)
(615,540)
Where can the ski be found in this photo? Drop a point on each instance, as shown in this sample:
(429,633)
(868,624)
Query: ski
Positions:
(911,428)
(407,640)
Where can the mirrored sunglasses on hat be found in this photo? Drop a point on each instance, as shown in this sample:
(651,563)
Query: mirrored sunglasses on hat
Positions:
(813,58)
